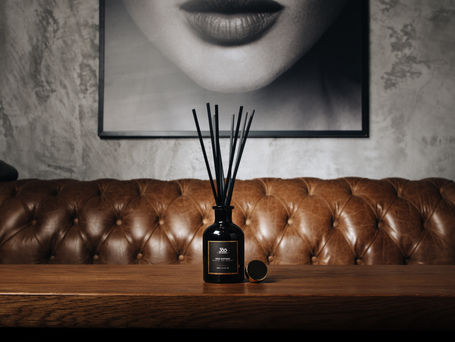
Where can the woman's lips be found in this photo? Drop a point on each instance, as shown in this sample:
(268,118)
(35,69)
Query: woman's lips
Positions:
(231,22)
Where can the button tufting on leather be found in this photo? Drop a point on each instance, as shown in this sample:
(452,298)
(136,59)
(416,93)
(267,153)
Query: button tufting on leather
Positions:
(423,221)
(373,223)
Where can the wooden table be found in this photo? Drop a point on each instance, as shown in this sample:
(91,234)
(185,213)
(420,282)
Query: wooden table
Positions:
(175,296)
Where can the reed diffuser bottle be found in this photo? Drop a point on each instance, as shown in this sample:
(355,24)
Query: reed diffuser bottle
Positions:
(223,249)
(223,242)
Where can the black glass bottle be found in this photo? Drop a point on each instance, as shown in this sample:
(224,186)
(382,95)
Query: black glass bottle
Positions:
(223,249)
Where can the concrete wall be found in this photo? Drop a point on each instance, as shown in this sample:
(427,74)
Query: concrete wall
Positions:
(49,94)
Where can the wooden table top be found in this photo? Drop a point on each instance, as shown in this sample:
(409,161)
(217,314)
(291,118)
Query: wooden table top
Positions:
(171,296)
(170,280)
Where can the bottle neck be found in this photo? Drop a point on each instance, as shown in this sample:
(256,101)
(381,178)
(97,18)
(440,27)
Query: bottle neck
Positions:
(223,213)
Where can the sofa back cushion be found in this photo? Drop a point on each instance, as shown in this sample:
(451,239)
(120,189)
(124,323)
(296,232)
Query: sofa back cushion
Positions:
(285,221)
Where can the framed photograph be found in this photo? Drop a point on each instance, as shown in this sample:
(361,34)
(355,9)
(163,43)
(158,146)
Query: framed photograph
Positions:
(302,66)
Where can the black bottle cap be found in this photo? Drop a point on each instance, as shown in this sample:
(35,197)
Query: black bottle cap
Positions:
(256,271)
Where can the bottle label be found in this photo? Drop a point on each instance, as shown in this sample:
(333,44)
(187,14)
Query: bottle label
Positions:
(223,257)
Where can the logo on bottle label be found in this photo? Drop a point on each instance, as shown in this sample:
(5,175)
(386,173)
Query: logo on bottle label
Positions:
(223,257)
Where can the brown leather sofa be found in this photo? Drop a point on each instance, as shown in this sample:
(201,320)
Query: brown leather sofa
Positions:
(285,221)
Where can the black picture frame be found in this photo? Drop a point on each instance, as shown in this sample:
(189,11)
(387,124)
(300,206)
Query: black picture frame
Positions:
(363,132)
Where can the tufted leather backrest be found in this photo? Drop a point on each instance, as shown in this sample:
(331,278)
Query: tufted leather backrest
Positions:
(285,221)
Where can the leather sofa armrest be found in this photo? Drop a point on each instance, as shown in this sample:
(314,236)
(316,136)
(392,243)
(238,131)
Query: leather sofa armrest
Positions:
(7,172)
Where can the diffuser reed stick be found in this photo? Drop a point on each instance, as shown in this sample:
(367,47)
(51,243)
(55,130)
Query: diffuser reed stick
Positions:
(223,190)
(239,157)
(204,152)
(233,144)
(212,137)
(221,193)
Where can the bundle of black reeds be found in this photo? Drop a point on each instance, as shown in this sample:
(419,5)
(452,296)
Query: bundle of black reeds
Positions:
(223,187)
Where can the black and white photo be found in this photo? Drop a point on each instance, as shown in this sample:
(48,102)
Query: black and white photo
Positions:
(301,64)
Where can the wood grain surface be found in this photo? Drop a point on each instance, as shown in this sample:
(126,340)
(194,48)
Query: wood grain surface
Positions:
(175,297)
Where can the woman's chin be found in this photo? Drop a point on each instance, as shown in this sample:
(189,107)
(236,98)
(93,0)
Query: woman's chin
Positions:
(231,84)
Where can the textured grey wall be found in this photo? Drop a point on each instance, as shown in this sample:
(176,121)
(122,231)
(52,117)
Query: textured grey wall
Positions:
(48,103)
